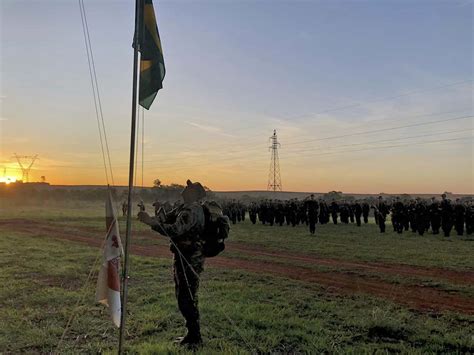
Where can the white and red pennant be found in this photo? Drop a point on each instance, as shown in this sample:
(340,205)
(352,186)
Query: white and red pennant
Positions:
(108,282)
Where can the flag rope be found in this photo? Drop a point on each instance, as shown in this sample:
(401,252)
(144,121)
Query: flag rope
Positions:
(97,101)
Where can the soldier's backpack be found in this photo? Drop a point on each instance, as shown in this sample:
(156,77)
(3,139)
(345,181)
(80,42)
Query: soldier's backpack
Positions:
(216,229)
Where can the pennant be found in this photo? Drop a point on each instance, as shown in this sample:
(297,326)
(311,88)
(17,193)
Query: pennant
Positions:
(108,282)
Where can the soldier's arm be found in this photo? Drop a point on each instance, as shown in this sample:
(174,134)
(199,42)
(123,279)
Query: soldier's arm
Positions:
(185,221)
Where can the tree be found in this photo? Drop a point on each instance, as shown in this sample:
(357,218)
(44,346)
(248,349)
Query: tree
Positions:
(157,183)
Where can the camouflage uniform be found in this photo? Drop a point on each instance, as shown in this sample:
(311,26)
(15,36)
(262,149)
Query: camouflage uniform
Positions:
(184,226)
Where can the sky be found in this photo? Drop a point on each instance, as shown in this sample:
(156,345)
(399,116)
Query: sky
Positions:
(366,96)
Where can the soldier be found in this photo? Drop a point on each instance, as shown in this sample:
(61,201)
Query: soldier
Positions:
(344,212)
(365,211)
(397,215)
(358,213)
(381,211)
(323,212)
(311,206)
(412,216)
(124,208)
(334,210)
(253,212)
(469,218)
(294,215)
(435,216)
(422,218)
(459,214)
(446,215)
(184,227)
(350,208)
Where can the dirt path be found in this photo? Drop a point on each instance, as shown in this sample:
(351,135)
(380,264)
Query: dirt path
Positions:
(413,296)
(456,277)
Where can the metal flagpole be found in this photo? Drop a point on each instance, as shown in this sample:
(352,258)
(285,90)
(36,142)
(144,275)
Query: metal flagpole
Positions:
(125,277)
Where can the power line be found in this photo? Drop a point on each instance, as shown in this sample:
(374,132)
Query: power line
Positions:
(393,146)
(381,130)
(383,140)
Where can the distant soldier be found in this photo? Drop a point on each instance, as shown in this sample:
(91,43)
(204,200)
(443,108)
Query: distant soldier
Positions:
(469,218)
(412,216)
(358,213)
(422,218)
(459,215)
(435,216)
(311,206)
(365,211)
(294,212)
(124,208)
(397,215)
(324,208)
(334,210)
(350,208)
(253,212)
(344,212)
(381,211)
(446,215)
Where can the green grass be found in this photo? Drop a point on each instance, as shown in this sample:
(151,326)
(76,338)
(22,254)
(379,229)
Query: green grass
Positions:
(43,278)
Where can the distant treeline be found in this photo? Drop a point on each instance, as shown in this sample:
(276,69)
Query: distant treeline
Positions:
(45,193)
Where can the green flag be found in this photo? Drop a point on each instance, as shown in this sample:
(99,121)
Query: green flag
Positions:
(152,64)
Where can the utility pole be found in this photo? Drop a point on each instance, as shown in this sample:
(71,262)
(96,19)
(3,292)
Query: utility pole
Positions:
(25,168)
(274,178)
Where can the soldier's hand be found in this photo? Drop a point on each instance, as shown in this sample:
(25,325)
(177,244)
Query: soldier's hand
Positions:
(144,217)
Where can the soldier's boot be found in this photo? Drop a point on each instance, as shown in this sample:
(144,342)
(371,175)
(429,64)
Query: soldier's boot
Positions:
(193,337)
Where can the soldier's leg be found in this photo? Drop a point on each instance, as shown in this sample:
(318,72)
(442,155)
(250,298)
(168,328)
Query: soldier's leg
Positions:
(186,287)
(381,225)
(446,229)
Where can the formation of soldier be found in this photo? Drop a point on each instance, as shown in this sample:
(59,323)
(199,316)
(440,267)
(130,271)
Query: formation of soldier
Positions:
(420,216)
(417,215)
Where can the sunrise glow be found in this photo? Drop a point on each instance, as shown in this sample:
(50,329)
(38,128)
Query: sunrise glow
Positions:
(7,179)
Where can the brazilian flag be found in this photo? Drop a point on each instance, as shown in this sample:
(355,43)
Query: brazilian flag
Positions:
(152,64)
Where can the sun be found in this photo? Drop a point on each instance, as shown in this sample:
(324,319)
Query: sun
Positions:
(7,179)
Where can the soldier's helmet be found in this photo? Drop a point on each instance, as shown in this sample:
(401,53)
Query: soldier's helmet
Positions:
(193,191)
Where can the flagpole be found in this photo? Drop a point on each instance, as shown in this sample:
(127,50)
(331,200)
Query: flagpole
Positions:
(125,276)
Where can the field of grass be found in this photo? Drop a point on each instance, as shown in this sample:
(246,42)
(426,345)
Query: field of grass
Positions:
(44,276)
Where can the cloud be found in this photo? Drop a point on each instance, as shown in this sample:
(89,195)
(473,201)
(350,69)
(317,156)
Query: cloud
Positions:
(209,129)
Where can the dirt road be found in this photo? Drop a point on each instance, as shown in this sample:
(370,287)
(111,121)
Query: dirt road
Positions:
(350,280)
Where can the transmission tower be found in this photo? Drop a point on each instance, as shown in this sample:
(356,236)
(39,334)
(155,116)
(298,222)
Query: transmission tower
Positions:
(274,178)
(25,162)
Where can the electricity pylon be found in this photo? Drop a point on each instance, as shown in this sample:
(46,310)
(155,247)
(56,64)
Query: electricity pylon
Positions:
(25,168)
(274,177)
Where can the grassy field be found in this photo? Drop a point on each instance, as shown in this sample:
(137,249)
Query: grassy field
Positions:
(44,276)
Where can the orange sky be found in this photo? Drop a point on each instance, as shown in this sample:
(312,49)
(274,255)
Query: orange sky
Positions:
(356,109)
